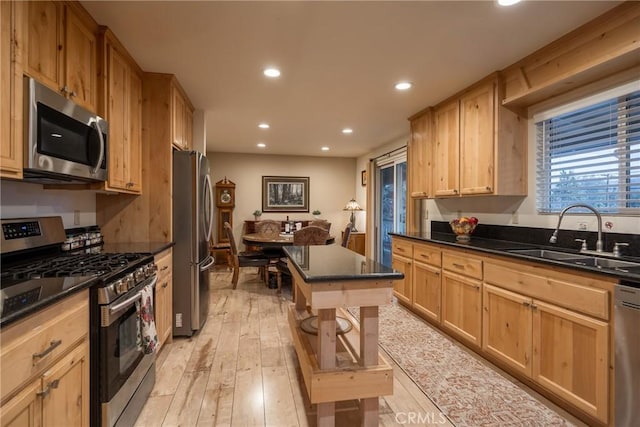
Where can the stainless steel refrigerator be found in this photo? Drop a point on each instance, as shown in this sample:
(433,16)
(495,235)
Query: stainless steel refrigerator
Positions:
(192,227)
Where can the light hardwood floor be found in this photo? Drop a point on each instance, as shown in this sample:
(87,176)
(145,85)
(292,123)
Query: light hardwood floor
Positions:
(241,370)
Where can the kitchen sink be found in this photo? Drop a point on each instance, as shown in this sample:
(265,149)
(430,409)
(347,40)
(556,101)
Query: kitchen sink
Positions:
(605,263)
(543,253)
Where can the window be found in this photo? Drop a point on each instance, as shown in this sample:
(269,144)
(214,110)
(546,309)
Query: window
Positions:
(589,152)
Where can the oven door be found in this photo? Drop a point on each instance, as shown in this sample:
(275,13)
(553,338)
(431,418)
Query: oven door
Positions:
(120,345)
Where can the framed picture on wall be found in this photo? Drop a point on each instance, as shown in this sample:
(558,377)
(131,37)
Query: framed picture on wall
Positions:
(363,177)
(285,194)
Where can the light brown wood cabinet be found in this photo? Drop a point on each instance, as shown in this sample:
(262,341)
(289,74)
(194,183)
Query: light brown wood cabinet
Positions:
(182,123)
(479,146)
(419,155)
(401,260)
(357,242)
(45,366)
(121,96)
(11,90)
(164,297)
(62,50)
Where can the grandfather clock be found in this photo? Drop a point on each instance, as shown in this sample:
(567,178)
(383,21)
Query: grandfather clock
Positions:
(225,202)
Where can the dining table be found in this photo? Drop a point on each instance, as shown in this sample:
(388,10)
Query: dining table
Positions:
(267,240)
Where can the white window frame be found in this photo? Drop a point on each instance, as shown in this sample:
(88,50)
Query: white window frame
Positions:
(542,157)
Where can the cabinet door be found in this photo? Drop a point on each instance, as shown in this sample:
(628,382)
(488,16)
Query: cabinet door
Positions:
(66,390)
(25,409)
(426,290)
(80,50)
(446,150)
(461,306)
(187,143)
(118,117)
(164,297)
(179,113)
(570,353)
(477,136)
(10,90)
(44,28)
(419,156)
(507,327)
(134,170)
(402,288)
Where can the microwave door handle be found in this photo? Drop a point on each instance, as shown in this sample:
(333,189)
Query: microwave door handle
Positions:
(95,124)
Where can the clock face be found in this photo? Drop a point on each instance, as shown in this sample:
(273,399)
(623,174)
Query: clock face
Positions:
(225,197)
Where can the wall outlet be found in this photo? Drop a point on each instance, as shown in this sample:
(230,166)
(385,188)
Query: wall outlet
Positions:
(582,226)
(76,217)
(514,217)
(459,214)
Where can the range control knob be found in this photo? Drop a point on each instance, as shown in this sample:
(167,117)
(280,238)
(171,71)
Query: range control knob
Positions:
(150,269)
(139,274)
(128,281)
(121,287)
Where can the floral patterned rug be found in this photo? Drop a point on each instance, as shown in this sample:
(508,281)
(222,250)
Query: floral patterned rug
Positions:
(466,391)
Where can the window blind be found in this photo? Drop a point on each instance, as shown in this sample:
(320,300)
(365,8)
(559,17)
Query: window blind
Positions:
(591,155)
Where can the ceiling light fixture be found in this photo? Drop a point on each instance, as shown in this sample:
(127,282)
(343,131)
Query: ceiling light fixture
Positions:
(261,145)
(508,2)
(403,85)
(263,125)
(272,72)
(325,148)
(347,130)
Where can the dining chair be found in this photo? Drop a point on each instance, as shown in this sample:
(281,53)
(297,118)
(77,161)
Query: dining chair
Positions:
(311,235)
(244,259)
(346,235)
(271,228)
(268,227)
(321,223)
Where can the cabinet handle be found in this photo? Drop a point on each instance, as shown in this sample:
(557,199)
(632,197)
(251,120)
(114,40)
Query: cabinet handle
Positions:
(164,268)
(48,350)
(437,273)
(477,287)
(52,385)
(526,303)
(533,306)
(458,265)
(165,284)
(425,256)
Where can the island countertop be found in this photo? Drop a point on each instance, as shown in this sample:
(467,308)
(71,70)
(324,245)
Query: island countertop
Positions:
(322,263)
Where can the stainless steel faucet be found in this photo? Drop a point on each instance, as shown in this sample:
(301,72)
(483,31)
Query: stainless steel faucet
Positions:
(554,236)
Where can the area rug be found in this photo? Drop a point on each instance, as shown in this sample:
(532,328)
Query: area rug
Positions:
(464,389)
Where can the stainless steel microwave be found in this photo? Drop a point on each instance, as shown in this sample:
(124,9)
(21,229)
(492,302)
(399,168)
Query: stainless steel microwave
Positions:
(65,143)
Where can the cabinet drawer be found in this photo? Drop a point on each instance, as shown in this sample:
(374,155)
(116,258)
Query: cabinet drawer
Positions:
(164,263)
(584,299)
(462,264)
(402,248)
(427,255)
(33,344)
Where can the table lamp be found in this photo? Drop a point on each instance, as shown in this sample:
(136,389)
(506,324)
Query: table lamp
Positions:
(352,206)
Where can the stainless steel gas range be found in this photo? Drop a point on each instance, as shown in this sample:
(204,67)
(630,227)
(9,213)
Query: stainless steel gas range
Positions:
(35,273)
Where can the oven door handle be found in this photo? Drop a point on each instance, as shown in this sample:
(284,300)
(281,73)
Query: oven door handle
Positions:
(126,303)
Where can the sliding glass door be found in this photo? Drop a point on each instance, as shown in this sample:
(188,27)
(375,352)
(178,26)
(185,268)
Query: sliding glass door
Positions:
(391,203)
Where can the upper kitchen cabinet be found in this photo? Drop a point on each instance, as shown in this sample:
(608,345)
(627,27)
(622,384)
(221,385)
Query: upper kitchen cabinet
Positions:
(479,146)
(419,155)
(182,123)
(11,90)
(120,89)
(62,50)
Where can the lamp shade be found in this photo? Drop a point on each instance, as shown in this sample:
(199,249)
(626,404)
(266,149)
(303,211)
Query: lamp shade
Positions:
(352,205)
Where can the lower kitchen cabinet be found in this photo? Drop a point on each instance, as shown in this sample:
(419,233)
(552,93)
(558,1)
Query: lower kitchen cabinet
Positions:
(164,297)
(402,288)
(45,367)
(571,357)
(426,290)
(461,307)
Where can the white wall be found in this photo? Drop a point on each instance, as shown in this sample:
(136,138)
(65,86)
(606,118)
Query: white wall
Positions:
(331,184)
(21,199)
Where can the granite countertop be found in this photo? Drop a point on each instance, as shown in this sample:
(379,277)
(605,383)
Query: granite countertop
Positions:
(322,263)
(503,248)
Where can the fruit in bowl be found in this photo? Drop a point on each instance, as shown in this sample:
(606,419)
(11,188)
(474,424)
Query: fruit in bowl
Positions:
(463,227)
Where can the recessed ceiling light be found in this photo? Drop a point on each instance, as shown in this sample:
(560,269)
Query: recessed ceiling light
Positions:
(403,85)
(325,148)
(272,72)
(263,125)
(347,130)
(508,2)
(261,145)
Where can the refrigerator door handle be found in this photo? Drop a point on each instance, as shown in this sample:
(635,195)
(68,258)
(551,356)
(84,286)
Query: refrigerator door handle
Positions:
(207,263)
(209,231)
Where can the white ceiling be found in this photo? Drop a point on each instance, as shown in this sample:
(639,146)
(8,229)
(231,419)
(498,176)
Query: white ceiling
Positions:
(339,61)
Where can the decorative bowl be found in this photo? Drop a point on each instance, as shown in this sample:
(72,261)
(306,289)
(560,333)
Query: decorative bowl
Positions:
(463,227)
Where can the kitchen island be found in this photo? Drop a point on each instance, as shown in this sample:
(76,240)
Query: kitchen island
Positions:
(338,357)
